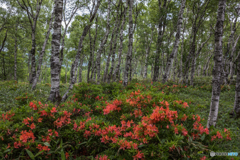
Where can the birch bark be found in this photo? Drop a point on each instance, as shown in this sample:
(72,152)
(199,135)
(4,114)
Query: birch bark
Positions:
(103,42)
(130,44)
(114,33)
(217,70)
(116,72)
(147,53)
(35,80)
(33,23)
(79,52)
(175,48)
(55,61)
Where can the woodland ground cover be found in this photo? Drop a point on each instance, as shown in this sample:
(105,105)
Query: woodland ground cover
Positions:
(142,121)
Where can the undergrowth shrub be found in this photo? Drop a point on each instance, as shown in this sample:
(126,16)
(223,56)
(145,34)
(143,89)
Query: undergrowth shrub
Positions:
(142,121)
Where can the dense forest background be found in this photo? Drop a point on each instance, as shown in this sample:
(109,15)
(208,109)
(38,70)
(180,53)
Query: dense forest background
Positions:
(97,63)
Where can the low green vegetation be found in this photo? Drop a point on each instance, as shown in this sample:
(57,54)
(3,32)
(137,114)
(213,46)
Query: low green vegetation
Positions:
(107,121)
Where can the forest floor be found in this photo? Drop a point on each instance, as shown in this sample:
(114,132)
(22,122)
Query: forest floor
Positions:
(197,97)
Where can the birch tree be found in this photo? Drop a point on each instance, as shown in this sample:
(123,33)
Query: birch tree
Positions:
(35,80)
(100,50)
(147,54)
(116,73)
(33,18)
(217,70)
(130,43)
(55,60)
(79,51)
(175,48)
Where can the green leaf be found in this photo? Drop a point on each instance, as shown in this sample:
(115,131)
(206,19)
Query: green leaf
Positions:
(62,155)
(47,144)
(39,153)
(30,154)
(6,151)
(203,137)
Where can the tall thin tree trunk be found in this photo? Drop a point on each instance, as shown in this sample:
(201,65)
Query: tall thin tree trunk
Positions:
(15,54)
(79,52)
(3,63)
(91,55)
(80,70)
(130,45)
(181,56)
(66,72)
(55,60)
(114,33)
(147,53)
(175,48)
(93,51)
(217,70)
(103,42)
(116,73)
(159,41)
(42,54)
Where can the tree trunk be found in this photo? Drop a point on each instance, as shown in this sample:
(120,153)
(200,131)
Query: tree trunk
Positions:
(130,44)
(159,41)
(55,61)
(80,70)
(217,70)
(113,52)
(103,42)
(114,33)
(66,72)
(3,63)
(175,48)
(147,53)
(93,51)
(79,51)
(91,55)
(15,53)
(181,57)
(116,73)
(42,54)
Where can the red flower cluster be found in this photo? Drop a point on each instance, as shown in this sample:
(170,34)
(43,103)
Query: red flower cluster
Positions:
(112,107)
(104,157)
(45,148)
(161,114)
(25,136)
(7,116)
(138,155)
(228,134)
(63,120)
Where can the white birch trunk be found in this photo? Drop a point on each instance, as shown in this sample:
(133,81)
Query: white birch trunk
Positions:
(55,61)
(130,44)
(35,80)
(175,48)
(217,70)
(79,52)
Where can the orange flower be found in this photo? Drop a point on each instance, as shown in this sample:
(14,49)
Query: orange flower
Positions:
(53,110)
(32,126)
(138,155)
(39,120)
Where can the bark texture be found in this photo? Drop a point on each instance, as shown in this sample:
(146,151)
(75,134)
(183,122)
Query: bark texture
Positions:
(79,52)
(176,43)
(130,44)
(35,80)
(25,5)
(55,61)
(147,54)
(217,69)
(116,73)
(100,50)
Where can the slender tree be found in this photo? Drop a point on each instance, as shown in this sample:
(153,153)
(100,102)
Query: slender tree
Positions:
(175,48)
(217,70)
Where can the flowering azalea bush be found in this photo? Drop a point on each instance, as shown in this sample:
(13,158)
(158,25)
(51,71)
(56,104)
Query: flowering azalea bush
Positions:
(142,122)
